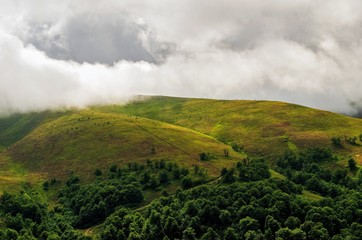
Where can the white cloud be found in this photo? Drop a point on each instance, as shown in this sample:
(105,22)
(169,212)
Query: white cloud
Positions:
(77,53)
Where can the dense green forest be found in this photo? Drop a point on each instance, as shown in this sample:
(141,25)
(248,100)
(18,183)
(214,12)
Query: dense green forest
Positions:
(245,202)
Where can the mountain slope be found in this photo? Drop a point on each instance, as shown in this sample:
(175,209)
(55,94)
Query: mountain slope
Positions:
(87,140)
(17,126)
(53,144)
(264,128)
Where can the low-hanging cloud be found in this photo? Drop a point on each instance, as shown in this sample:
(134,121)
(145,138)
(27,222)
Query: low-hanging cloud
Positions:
(79,53)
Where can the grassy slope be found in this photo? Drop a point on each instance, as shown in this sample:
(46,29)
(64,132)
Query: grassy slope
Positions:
(263,127)
(86,140)
(53,144)
(17,126)
(12,129)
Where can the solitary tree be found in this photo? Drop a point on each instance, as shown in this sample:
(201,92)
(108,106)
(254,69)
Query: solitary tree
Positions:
(352,165)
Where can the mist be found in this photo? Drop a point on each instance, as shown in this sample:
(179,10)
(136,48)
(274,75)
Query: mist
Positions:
(81,53)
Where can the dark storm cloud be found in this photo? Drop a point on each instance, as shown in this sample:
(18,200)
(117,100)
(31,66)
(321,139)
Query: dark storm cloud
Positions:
(98,38)
(76,53)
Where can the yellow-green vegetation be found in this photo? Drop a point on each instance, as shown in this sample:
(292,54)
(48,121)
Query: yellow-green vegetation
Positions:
(12,175)
(39,146)
(15,127)
(311,196)
(208,158)
(264,128)
(86,140)
(276,175)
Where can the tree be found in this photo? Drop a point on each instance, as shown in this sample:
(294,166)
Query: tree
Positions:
(359,176)
(230,234)
(98,172)
(336,141)
(284,233)
(113,168)
(154,182)
(271,226)
(292,222)
(203,156)
(226,152)
(228,177)
(188,234)
(210,235)
(254,235)
(352,140)
(186,182)
(352,165)
(11,234)
(46,186)
(164,177)
(225,218)
(247,224)
(224,170)
(315,231)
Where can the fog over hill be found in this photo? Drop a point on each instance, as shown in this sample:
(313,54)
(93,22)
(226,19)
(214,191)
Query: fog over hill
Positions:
(77,53)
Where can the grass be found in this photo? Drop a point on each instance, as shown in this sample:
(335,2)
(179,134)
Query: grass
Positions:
(311,196)
(39,146)
(17,126)
(277,175)
(84,141)
(12,175)
(261,126)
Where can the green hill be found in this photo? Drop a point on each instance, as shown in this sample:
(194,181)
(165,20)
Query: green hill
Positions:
(115,162)
(83,141)
(41,146)
(264,128)
(17,126)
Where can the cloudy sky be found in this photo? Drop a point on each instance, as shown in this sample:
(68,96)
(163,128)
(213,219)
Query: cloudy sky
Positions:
(82,52)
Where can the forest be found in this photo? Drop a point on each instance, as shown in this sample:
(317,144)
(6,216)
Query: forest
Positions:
(245,202)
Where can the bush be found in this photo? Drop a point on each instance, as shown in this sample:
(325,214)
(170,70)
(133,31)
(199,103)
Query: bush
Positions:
(336,141)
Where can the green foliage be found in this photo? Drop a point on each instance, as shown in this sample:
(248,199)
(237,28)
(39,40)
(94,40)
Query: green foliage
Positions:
(92,203)
(352,165)
(46,185)
(24,217)
(17,126)
(336,141)
(253,170)
(207,156)
(98,172)
(237,147)
(245,203)
(352,140)
(238,122)
(302,168)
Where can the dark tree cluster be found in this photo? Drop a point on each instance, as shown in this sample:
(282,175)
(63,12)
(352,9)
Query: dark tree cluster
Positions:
(123,187)
(23,216)
(304,168)
(247,204)
(94,202)
(244,203)
(266,209)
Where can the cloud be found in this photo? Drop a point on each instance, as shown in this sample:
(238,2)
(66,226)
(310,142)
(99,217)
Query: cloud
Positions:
(89,52)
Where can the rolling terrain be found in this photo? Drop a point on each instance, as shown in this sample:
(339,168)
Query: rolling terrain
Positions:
(263,128)
(40,146)
(157,162)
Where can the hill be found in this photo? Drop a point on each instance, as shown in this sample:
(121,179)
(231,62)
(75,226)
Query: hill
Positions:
(41,146)
(84,141)
(115,162)
(262,128)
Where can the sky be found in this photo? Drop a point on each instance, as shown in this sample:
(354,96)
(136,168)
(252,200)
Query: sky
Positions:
(76,53)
